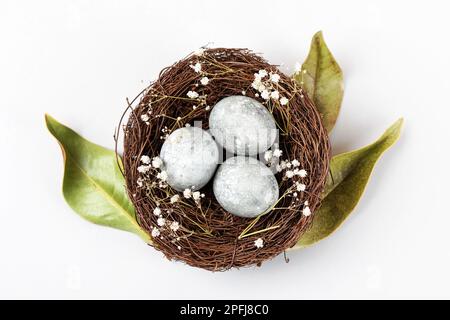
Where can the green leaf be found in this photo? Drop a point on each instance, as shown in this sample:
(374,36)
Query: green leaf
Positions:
(93,184)
(349,175)
(323,81)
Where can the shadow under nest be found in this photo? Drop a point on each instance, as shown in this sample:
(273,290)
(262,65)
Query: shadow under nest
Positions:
(208,236)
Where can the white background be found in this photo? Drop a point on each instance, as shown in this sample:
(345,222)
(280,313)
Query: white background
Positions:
(79,60)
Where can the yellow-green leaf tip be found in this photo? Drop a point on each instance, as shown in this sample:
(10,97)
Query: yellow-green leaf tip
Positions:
(350,173)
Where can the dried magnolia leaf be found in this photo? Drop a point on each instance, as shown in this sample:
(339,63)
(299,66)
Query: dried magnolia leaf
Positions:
(350,173)
(322,79)
(93,184)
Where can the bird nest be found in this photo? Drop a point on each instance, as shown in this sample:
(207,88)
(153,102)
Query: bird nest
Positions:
(197,230)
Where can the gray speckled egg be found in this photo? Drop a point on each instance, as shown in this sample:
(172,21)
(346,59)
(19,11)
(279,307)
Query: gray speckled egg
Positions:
(190,156)
(245,187)
(242,125)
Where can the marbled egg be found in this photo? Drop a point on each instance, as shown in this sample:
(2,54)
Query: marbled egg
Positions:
(245,187)
(190,157)
(242,125)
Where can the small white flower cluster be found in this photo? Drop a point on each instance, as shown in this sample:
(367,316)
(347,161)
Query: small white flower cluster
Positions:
(163,223)
(174,226)
(296,172)
(197,67)
(195,195)
(199,52)
(292,171)
(306,211)
(147,164)
(204,80)
(201,99)
(165,132)
(266,84)
(145,117)
(174,199)
(192,94)
(270,155)
(259,243)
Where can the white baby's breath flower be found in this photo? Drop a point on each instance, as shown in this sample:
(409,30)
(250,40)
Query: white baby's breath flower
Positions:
(262,88)
(288,165)
(278,168)
(243,92)
(297,67)
(256,83)
(275,95)
(265,94)
(284,101)
(143,169)
(187,193)
(174,226)
(155,232)
(174,199)
(289,174)
(268,155)
(204,81)
(262,73)
(259,243)
(277,153)
(145,117)
(197,67)
(302,173)
(306,211)
(196,195)
(161,221)
(162,176)
(295,163)
(192,94)
(207,108)
(300,186)
(157,162)
(199,51)
(145,159)
(274,77)
(140,182)
(157,211)
(162,185)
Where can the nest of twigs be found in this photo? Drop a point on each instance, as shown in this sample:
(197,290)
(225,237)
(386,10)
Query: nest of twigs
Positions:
(207,236)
